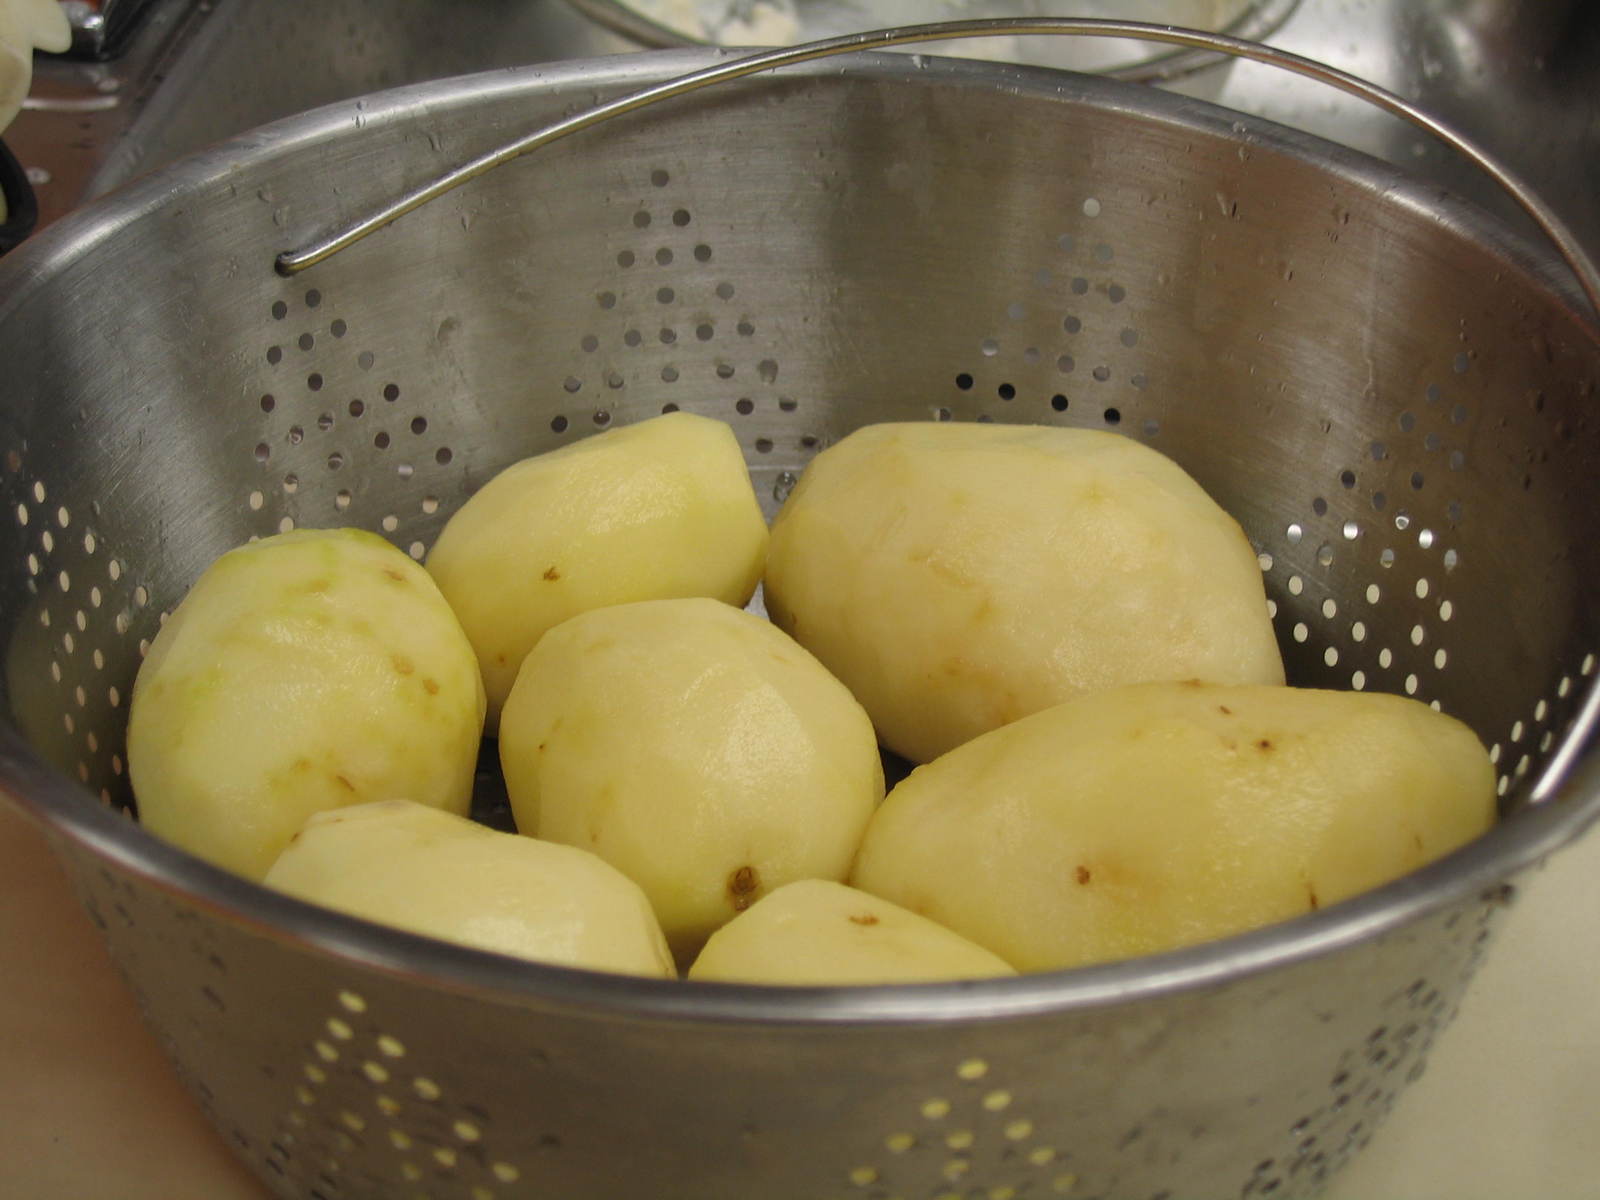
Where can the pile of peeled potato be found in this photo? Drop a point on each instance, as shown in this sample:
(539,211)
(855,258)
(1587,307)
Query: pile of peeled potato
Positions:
(1059,625)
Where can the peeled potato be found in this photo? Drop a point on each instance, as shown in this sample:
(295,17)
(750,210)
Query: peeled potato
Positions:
(1147,817)
(659,509)
(303,672)
(427,871)
(819,932)
(694,747)
(959,576)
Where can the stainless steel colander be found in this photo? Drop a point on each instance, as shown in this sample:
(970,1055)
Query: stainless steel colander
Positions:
(1391,393)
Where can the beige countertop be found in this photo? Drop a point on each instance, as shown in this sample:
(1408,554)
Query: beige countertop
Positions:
(1507,1110)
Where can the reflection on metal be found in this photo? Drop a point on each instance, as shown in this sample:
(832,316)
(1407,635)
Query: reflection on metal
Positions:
(290,262)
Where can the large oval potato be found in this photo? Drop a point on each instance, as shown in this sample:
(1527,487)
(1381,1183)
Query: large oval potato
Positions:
(694,747)
(430,872)
(659,509)
(815,931)
(1152,816)
(959,576)
(303,672)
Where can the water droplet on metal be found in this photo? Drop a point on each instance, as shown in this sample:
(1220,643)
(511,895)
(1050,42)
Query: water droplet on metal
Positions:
(783,485)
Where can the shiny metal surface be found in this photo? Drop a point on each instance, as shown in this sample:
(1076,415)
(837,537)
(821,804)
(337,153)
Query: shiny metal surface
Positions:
(1520,77)
(196,71)
(292,262)
(1389,391)
(253,62)
(1516,76)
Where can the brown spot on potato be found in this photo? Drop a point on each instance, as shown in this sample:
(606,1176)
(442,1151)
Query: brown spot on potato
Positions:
(501,659)
(1311,898)
(344,783)
(742,887)
(431,686)
(1264,745)
(1082,875)
(863,919)
(1190,683)
(301,764)
(402,664)
(397,575)
(1225,710)
(541,746)
(552,574)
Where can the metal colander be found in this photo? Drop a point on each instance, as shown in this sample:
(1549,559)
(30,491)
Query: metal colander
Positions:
(1392,394)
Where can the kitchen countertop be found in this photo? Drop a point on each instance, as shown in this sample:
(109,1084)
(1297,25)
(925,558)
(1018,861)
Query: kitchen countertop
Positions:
(1505,1112)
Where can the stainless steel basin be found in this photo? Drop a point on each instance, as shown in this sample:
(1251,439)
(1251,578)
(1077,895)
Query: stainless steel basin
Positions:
(1521,76)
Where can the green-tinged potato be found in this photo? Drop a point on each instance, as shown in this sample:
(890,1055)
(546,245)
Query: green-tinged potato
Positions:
(650,511)
(1153,816)
(694,747)
(819,932)
(303,672)
(959,576)
(430,872)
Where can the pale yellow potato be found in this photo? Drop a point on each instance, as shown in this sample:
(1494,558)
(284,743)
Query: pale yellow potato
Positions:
(816,931)
(660,509)
(958,576)
(1153,816)
(303,672)
(696,748)
(431,872)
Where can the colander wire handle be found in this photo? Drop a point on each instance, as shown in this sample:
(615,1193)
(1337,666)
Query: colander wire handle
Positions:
(1588,275)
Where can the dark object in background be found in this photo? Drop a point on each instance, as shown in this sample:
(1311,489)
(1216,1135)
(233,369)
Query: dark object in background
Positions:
(21,208)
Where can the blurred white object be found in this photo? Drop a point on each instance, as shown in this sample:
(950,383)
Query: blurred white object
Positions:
(784,22)
(26,25)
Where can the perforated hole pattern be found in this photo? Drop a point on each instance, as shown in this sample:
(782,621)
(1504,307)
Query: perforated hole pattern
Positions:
(374,1100)
(1359,569)
(1368,550)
